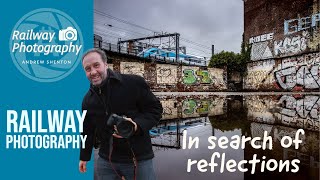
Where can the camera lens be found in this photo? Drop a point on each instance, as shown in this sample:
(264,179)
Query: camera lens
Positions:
(125,128)
(69,35)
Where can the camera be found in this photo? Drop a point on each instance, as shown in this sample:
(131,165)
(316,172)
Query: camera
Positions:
(69,34)
(125,128)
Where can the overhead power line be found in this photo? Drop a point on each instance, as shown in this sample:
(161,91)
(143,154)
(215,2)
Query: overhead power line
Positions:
(123,21)
(144,28)
(110,26)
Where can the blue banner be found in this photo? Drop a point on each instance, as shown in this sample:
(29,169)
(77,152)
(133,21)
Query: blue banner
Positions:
(42,43)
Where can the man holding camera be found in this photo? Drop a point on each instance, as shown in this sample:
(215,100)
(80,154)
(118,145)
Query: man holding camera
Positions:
(121,110)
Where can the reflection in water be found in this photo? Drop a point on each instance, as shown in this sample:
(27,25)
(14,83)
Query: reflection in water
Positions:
(295,111)
(251,116)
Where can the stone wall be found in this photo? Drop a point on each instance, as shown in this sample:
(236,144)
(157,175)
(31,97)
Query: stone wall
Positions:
(170,77)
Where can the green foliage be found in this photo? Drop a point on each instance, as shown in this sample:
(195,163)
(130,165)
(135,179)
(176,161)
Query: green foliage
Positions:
(233,61)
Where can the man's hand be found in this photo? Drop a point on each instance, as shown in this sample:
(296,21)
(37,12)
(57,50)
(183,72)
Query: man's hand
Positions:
(83,166)
(128,119)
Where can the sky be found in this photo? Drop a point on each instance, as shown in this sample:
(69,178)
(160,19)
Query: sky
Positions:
(200,23)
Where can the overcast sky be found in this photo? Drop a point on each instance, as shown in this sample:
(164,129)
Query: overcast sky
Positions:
(203,22)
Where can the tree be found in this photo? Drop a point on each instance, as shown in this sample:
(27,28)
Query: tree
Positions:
(233,61)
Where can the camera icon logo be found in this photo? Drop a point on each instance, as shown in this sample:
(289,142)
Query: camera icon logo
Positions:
(69,34)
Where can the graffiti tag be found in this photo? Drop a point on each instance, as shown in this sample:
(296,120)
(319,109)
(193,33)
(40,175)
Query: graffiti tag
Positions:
(289,77)
(300,112)
(191,77)
(295,25)
(291,45)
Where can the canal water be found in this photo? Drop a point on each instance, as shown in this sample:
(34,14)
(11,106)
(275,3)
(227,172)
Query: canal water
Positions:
(202,116)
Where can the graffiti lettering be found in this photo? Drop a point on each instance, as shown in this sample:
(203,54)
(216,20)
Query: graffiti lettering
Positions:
(302,113)
(129,69)
(132,68)
(295,25)
(204,76)
(256,77)
(203,107)
(167,111)
(164,75)
(261,38)
(291,45)
(289,77)
(165,72)
(191,77)
(189,106)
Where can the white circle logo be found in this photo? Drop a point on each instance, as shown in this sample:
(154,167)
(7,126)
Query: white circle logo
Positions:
(46,45)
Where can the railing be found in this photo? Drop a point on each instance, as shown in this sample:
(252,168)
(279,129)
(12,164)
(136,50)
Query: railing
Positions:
(153,57)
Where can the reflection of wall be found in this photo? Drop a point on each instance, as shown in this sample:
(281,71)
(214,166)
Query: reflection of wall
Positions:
(300,112)
(258,108)
(170,110)
(307,153)
(216,107)
(191,106)
(293,73)
(295,111)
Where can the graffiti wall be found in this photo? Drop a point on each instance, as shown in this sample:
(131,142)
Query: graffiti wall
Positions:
(274,34)
(289,45)
(191,106)
(132,68)
(174,78)
(166,74)
(295,111)
(297,73)
(210,79)
(259,75)
(285,45)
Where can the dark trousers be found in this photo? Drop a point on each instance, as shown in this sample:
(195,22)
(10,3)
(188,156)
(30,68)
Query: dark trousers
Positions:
(106,171)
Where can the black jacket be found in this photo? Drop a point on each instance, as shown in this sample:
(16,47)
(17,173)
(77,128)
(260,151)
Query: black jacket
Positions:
(121,94)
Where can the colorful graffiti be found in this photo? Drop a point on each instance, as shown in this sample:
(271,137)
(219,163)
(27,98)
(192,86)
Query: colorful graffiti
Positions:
(191,77)
(197,107)
(204,77)
(194,106)
(189,106)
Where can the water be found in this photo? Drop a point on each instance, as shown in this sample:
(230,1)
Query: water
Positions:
(248,115)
